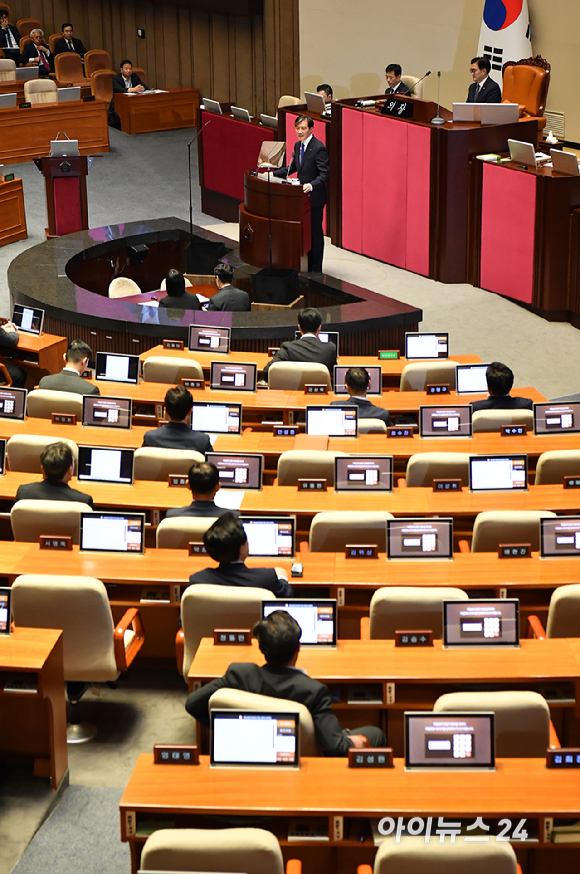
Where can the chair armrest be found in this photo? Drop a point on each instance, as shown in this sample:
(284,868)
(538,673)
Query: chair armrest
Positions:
(402,482)
(365,628)
(293,866)
(554,739)
(304,548)
(519,868)
(180,649)
(464,547)
(275,481)
(125,657)
(5,374)
(535,628)
(366,869)
(246,431)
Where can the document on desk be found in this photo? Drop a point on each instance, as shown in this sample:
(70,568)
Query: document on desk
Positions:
(229,499)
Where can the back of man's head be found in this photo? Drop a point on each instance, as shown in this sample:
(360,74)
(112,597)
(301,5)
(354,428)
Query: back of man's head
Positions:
(174,283)
(56,459)
(309,320)
(77,350)
(203,478)
(278,637)
(357,379)
(499,378)
(224,272)
(224,539)
(178,403)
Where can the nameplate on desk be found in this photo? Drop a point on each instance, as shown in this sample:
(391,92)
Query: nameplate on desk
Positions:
(272,350)
(397,107)
(190,382)
(308,484)
(25,105)
(173,344)
(88,98)
(196,547)
(422,637)
(388,354)
(400,431)
(564,757)
(361,550)
(232,637)
(8,177)
(515,550)
(375,757)
(572,482)
(46,541)
(178,480)
(513,430)
(440,388)
(63,418)
(312,389)
(286,430)
(176,754)
(447,485)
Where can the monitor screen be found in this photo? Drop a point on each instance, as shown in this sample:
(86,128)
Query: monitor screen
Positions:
(422,346)
(233,377)
(317,619)
(246,737)
(557,418)
(471,379)
(12,402)
(560,536)
(492,622)
(106,412)
(117,368)
(28,319)
(498,473)
(332,421)
(420,538)
(270,535)
(2,456)
(375,373)
(104,465)
(449,740)
(113,532)
(238,471)
(324,337)
(216,418)
(445,421)
(5,597)
(203,339)
(359,473)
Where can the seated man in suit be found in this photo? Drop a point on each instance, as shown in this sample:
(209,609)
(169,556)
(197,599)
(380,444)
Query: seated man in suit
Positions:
(76,361)
(483,89)
(127,81)
(228,298)
(357,381)
(204,482)
(57,467)
(393,75)
(69,43)
(279,641)
(177,296)
(308,347)
(38,52)
(226,542)
(176,434)
(9,38)
(499,383)
(9,338)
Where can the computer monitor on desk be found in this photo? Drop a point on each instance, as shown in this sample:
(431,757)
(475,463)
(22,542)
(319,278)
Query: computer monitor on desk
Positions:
(554,418)
(250,739)
(233,377)
(471,379)
(270,535)
(238,471)
(105,465)
(211,106)
(429,539)
(204,339)
(121,533)
(316,618)
(375,373)
(359,473)
(560,537)
(2,456)
(498,473)
(117,368)
(453,740)
(216,418)
(489,623)
(28,319)
(426,346)
(5,611)
(12,403)
(100,412)
(332,421)
(445,421)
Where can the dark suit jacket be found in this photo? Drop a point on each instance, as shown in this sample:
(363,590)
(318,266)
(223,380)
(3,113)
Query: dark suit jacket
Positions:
(314,169)
(308,349)
(4,41)
(177,435)
(66,380)
(61,46)
(50,490)
(119,83)
(199,508)
(8,339)
(490,92)
(31,53)
(366,410)
(237,574)
(185,301)
(230,299)
(402,90)
(278,682)
(505,402)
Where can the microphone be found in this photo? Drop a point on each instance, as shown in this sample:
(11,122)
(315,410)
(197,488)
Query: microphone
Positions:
(361,103)
(198,133)
(189,145)
(428,73)
(288,167)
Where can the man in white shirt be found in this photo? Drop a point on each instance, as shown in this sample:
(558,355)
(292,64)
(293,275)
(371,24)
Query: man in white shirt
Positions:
(9,38)
(128,82)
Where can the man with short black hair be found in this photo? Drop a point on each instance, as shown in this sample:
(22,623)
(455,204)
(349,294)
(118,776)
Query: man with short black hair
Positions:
(176,433)
(393,75)
(499,384)
(204,482)
(357,382)
(126,81)
(228,298)
(177,296)
(308,347)
(325,91)
(37,52)
(226,542)
(279,641)
(9,38)
(483,89)
(76,361)
(69,43)
(58,468)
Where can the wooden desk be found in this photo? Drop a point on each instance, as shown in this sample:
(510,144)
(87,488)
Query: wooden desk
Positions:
(519,788)
(172,109)
(34,724)
(12,214)
(79,433)
(40,355)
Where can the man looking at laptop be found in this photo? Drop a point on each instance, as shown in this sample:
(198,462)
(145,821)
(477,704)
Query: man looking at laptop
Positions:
(226,542)
(58,467)
(499,383)
(279,641)
(176,433)
(357,382)
(308,347)
(76,361)
(204,482)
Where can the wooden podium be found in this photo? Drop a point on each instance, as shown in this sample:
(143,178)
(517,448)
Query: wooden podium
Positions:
(66,193)
(283,208)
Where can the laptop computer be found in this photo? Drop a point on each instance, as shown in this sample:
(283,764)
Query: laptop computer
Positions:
(316,617)
(105,465)
(375,373)
(560,537)
(424,347)
(564,162)
(100,412)
(12,402)
(215,418)
(499,113)
(324,337)
(24,74)
(556,418)
(113,367)
(238,471)
(525,154)
(360,473)
(2,456)
(233,377)
(445,421)
(28,319)
(498,473)
(270,535)
(269,121)
(122,533)
(66,95)
(471,379)
(467,112)
(212,106)
(64,148)
(332,421)
(449,740)
(427,539)
(209,339)
(315,102)
(483,623)
(241,114)
(5,611)
(254,739)
(8,101)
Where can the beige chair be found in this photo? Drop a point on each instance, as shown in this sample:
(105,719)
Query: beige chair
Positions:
(122,286)
(41,403)
(30,519)
(553,466)
(493,527)
(492,420)
(235,699)
(417,375)
(372,426)
(563,615)
(69,68)
(522,720)
(96,59)
(411,855)
(289,100)
(295,464)
(331,532)
(294,375)
(152,463)
(7,70)
(422,469)
(411,83)
(40,91)
(404,608)
(102,85)
(252,850)
(177,533)
(95,650)
(23,451)
(170,369)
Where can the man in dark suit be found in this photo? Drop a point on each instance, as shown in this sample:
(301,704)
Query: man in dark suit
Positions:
(228,298)
(204,482)
(128,81)
(483,89)
(9,38)
(76,361)
(69,43)
(357,381)
(393,75)
(176,434)
(499,383)
(177,296)
(58,467)
(310,161)
(279,641)
(308,347)
(9,338)
(39,53)
(226,542)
